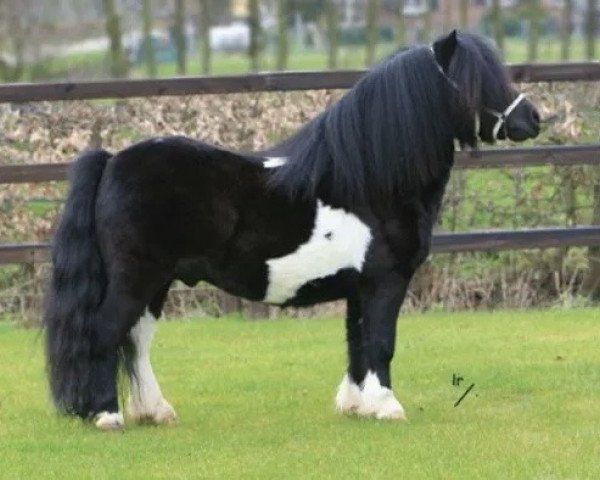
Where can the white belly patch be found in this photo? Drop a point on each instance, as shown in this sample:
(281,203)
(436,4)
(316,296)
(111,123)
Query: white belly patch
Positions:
(339,240)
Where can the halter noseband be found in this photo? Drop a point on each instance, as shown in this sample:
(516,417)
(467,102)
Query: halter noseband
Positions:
(501,116)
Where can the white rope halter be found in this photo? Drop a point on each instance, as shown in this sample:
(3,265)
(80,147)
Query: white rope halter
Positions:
(501,117)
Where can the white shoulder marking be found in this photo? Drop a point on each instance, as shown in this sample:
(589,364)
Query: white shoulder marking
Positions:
(339,240)
(274,162)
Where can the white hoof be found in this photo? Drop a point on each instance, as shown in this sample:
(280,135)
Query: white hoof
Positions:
(378,401)
(347,399)
(161,413)
(109,422)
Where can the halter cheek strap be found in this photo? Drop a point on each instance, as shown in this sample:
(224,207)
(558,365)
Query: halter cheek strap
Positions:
(441,69)
(502,117)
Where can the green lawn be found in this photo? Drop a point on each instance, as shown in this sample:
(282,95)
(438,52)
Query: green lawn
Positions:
(352,57)
(255,401)
(93,64)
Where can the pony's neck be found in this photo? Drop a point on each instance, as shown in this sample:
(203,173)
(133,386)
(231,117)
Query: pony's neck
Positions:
(391,136)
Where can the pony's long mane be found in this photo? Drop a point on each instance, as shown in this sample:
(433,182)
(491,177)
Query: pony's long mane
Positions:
(390,135)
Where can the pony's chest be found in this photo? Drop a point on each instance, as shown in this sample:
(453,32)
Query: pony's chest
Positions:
(339,240)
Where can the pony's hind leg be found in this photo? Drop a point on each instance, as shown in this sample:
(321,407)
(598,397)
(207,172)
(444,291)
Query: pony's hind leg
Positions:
(146,403)
(126,299)
(104,387)
(115,319)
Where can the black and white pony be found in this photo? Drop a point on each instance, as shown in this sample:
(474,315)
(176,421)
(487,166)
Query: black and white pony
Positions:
(344,209)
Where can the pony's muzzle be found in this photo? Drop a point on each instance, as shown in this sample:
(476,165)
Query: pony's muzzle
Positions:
(524,123)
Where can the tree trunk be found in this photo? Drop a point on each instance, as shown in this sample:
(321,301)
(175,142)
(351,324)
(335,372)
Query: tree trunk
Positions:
(147,31)
(498,25)
(447,16)
(333,33)
(282,34)
(533,39)
(254,47)
(590,34)
(204,35)
(464,14)
(18,44)
(372,32)
(179,34)
(401,28)
(566,26)
(427,24)
(591,284)
(118,60)
(15,31)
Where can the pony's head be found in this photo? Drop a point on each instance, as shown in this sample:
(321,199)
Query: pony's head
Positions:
(481,89)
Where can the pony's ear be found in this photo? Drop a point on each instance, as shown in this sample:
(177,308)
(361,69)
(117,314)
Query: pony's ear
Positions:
(444,48)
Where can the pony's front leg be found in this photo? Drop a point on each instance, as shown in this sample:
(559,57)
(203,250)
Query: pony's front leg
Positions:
(348,397)
(380,301)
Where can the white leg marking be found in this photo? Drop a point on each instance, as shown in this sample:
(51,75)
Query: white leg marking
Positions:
(109,421)
(146,402)
(274,162)
(379,401)
(339,240)
(347,399)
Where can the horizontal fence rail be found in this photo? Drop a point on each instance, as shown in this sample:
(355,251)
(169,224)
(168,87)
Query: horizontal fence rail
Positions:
(496,240)
(491,158)
(491,240)
(258,82)
(33,173)
(564,155)
(286,81)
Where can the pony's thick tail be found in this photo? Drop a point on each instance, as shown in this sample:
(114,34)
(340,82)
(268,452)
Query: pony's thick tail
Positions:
(77,288)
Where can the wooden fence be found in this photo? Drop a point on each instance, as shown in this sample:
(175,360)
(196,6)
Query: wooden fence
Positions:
(285,81)
(259,82)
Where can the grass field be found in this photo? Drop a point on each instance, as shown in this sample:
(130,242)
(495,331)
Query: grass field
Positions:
(255,401)
(350,57)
